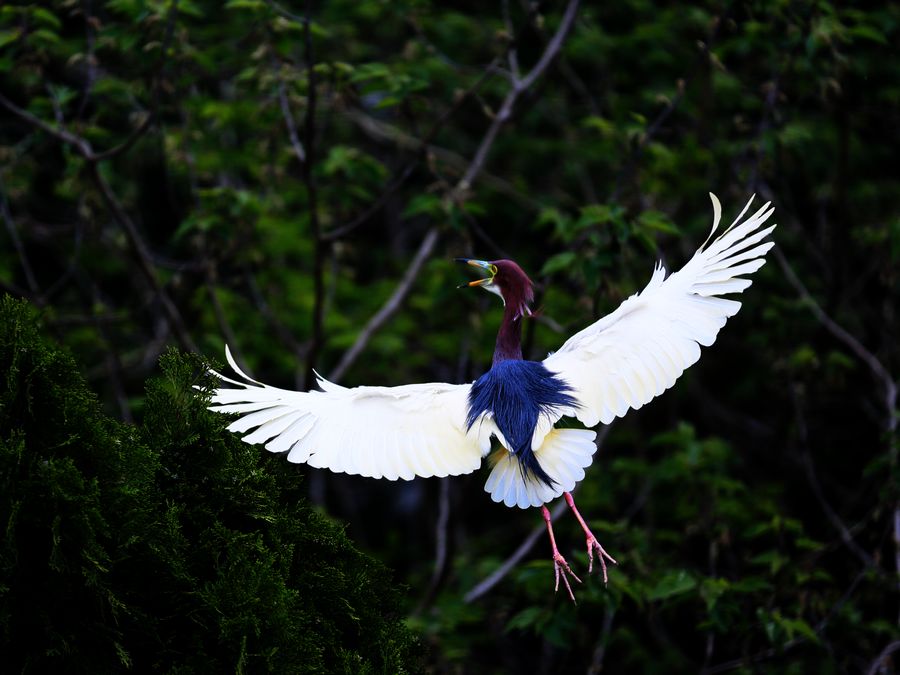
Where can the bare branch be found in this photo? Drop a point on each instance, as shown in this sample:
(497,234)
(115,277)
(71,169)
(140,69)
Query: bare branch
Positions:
(129,141)
(600,652)
(30,279)
(286,336)
(375,207)
(80,144)
(507,566)
(809,469)
(286,113)
(390,307)
(285,13)
(512,55)
(115,207)
(143,256)
(384,132)
(441,556)
(553,48)
(880,663)
(518,88)
(222,319)
(422,148)
(880,372)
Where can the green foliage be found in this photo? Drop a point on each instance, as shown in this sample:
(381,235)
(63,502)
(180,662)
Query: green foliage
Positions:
(170,546)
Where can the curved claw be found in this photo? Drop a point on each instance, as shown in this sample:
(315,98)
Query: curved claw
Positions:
(592,544)
(561,568)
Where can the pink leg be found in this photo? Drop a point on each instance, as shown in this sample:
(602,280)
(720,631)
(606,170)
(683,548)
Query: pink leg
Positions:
(560,566)
(592,542)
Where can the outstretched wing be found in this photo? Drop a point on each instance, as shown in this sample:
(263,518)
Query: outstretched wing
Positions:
(634,354)
(381,432)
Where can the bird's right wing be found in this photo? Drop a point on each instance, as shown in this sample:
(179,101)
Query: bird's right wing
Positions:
(380,432)
(634,354)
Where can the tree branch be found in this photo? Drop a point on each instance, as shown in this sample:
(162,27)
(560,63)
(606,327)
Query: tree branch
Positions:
(880,372)
(512,55)
(809,469)
(383,132)
(286,336)
(880,662)
(222,318)
(507,566)
(129,141)
(286,113)
(30,279)
(596,666)
(517,89)
(441,548)
(390,307)
(80,144)
(115,207)
(143,257)
(422,149)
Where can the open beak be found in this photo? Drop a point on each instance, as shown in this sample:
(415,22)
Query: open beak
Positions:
(484,264)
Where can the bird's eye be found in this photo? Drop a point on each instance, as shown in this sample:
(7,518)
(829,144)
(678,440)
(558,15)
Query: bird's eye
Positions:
(493,269)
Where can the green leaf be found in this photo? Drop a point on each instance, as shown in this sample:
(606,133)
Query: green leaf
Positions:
(46,17)
(254,5)
(672,584)
(559,262)
(868,32)
(424,204)
(44,36)
(530,617)
(657,222)
(8,37)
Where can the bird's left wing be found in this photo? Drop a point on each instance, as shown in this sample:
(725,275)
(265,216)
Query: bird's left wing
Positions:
(380,432)
(634,354)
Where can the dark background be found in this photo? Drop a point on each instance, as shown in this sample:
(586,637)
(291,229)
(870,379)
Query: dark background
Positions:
(199,172)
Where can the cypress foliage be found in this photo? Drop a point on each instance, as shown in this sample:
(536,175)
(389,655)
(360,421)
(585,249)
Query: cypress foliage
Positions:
(170,546)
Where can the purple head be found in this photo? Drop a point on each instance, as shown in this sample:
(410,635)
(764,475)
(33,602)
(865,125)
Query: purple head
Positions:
(507,280)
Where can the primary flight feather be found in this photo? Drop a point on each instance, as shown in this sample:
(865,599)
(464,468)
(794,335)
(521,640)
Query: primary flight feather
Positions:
(620,362)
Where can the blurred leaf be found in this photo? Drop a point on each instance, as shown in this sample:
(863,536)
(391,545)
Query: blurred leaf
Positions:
(560,261)
(673,583)
(8,37)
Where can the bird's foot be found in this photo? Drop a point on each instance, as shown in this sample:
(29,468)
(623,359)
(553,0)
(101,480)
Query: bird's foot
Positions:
(594,545)
(562,569)
(560,566)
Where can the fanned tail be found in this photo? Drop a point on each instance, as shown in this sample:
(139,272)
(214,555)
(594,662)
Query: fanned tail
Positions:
(564,455)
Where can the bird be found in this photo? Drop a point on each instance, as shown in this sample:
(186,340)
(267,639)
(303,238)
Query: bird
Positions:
(618,363)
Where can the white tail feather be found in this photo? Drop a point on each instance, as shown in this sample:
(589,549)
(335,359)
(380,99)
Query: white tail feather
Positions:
(564,455)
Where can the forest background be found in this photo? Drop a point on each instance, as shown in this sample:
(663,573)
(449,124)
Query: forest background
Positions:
(296,180)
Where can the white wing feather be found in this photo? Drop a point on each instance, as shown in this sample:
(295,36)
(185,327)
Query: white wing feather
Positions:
(634,354)
(381,432)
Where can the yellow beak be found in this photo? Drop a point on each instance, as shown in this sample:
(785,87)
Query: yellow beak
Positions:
(484,264)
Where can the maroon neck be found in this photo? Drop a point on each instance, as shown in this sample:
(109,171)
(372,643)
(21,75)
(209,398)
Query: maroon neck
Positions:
(509,337)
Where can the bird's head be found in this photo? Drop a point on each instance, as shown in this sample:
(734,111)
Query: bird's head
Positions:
(507,280)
